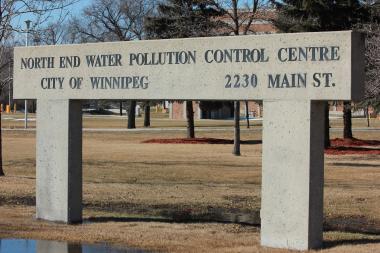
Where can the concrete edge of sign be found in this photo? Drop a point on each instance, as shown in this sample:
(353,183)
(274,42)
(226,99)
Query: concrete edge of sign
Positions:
(75,169)
(188,39)
(357,66)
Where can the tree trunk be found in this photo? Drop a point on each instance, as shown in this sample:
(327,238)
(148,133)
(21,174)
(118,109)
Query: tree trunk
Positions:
(247,113)
(327,125)
(34,107)
(190,119)
(368,116)
(132,114)
(147,115)
(347,120)
(236,150)
(121,108)
(1,150)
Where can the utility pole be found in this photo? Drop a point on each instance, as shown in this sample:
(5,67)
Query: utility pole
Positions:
(27,22)
(9,84)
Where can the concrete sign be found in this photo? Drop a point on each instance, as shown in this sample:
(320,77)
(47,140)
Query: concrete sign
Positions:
(280,66)
(291,73)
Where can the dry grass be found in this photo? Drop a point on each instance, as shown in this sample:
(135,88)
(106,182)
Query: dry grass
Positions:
(167,237)
(133,183)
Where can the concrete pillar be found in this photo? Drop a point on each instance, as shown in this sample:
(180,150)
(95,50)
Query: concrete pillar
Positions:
(59,160)
(292,174)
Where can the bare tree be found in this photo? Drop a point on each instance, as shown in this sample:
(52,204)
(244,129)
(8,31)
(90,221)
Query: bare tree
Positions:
(241,15)
(114,20)
(184,19)
(372,54)
(190,119)
(247,113)
(372,87)
(327,142)
(110,20)
(11,13)
(372,60)
(347,120)
(146,114)
(6,70)
(236,150)
(54,33)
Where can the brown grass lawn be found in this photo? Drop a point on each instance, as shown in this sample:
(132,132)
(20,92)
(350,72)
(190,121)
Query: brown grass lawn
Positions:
(181,198)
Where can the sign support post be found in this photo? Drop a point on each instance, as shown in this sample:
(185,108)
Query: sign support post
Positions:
(59,160)
(292,174)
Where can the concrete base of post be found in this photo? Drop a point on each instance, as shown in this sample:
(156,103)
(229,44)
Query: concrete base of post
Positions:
(292,175)
(59,160)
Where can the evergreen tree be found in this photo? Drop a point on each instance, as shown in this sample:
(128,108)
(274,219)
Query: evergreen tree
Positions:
(183,19)
(322,15)
(319,15)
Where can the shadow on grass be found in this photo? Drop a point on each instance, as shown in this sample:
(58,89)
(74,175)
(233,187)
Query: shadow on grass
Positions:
(187,214)
(356,165)
(163,220)
(252,142)
(353,224)
(335,243)
(200,141)
(18,200)
(125,219)
(186,217)
(98,112)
